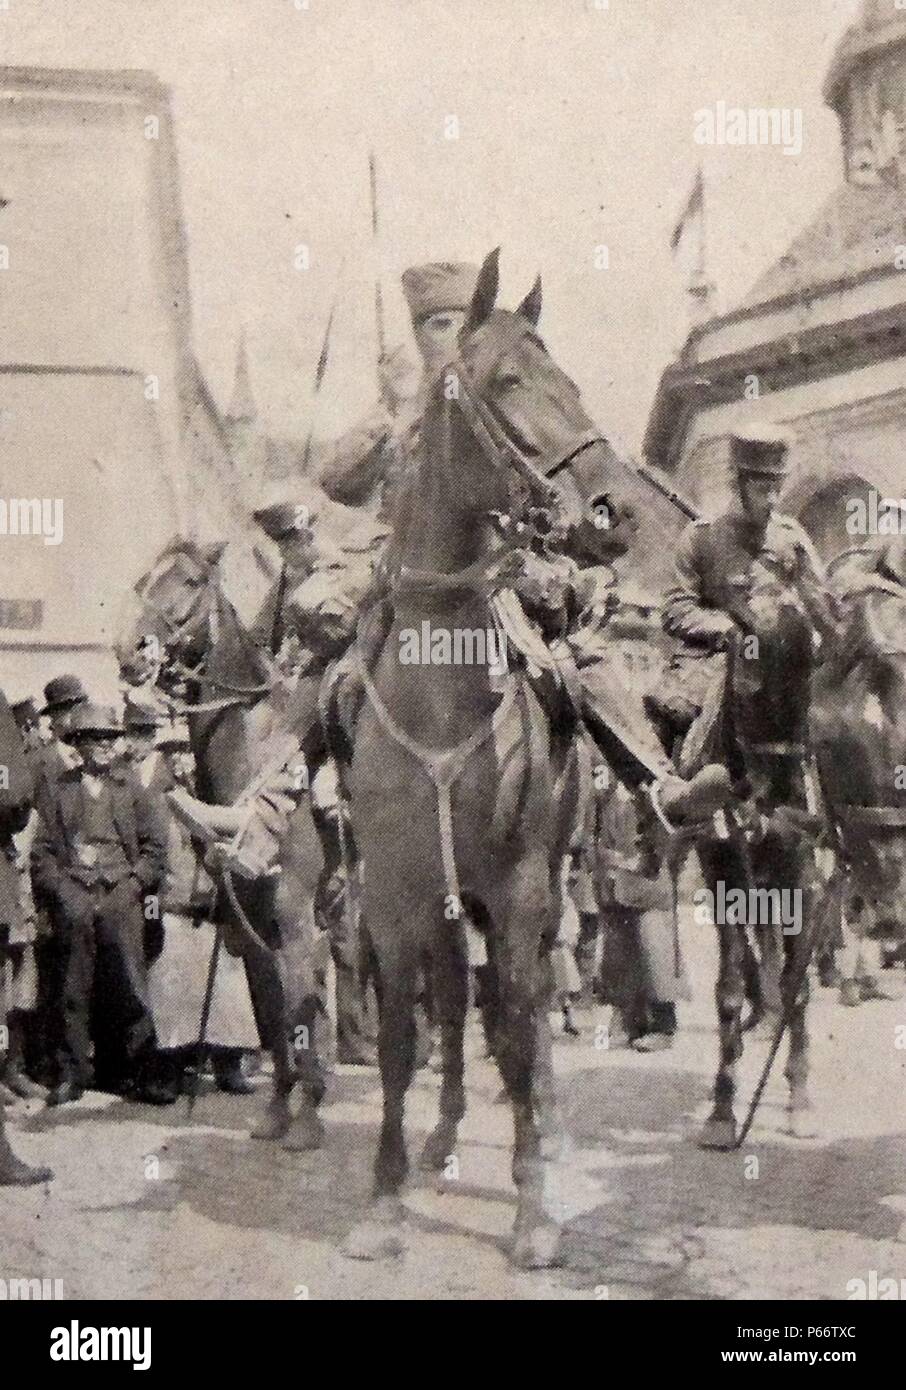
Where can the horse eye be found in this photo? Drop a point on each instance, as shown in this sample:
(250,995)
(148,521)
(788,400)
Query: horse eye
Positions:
(508,381)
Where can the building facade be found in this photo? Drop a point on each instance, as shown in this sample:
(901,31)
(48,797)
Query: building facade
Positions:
(820,343)
(104,418)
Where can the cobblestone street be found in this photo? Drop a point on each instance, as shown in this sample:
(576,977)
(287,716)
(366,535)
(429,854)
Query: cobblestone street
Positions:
(148,1205)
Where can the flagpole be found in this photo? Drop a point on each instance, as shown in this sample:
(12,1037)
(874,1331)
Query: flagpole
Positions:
(700,289)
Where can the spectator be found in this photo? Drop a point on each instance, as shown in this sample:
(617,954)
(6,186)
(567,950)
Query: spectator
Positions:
(99,856)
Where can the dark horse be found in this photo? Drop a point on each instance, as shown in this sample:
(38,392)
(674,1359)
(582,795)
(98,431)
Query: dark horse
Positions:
(244,720)
(761,733)
(452,782)
(859,730)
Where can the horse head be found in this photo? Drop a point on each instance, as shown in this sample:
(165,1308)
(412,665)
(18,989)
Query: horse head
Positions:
(769,682)
(877,614)
(506,393)
(174,603)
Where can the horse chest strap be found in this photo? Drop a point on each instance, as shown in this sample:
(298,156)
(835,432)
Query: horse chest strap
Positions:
(443,766)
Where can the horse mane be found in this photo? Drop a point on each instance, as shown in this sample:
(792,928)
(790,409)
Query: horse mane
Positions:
(235,655)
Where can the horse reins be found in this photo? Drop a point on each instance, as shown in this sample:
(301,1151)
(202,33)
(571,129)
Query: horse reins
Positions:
(444,766)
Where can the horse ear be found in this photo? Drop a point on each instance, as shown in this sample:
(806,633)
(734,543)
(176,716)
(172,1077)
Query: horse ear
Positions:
(530,308)
(485,295)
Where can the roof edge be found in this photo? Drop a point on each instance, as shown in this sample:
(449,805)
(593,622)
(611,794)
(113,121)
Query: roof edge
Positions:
(116,81)
(855,47)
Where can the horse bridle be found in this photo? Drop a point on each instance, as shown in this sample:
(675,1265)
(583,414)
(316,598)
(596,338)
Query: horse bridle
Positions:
(505,456)
(176,634)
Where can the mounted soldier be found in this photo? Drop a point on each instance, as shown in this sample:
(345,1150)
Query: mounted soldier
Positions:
(369,461)
(559,589)
(705,607)
(751,591)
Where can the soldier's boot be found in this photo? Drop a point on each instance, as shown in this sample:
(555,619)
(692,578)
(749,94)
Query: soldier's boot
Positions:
(696,799)
(14,1076)
(21,1085)
(206,822)
(13,1172)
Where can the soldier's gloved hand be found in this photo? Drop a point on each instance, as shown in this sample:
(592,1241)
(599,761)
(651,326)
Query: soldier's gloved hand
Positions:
(395,379)
(718,632)
(242,863)
(785,548)
(512,568)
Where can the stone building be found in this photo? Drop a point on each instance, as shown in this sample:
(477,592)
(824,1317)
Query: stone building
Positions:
(820,342)
(102,404)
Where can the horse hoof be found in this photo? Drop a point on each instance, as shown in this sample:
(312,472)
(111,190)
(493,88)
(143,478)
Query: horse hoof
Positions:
(379,1236)
(718,1134)
(274,1123)
(537,1246)
(305,1133)
(439,1147)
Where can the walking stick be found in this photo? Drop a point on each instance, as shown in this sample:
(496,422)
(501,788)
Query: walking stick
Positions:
(198,1069)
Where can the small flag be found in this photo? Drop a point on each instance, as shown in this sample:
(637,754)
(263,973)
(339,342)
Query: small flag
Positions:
(692,213)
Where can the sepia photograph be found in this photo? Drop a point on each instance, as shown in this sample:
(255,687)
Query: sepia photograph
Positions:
(453,664)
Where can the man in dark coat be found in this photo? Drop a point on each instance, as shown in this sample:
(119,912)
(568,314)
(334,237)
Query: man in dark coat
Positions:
(62,695)
(15,804)
(99,854)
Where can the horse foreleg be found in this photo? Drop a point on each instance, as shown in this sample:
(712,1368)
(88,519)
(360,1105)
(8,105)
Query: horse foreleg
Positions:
(719,1130)
(451,993)
(303,1069)
(795,991)
(265,987)
(380,1234)
(523,1055)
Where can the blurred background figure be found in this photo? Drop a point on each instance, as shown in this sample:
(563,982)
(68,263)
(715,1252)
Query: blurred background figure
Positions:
(19,932)
(178,975)
(16,991)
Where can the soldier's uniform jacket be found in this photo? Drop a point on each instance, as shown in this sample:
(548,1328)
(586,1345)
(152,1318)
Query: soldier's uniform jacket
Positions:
(371,461)
(713,571)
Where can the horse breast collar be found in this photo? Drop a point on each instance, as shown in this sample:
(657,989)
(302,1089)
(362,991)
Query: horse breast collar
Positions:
(444,766)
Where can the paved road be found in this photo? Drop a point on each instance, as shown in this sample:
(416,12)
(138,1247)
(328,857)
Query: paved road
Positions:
(148,1205)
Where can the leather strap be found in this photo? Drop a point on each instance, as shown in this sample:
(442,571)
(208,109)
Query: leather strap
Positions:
(444,766)
(893,816)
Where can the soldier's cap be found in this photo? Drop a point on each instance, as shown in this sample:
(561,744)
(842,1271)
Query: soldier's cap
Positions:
(760,451)
(63,692)
(92,721)
(139,717)
(24,711)
(280,519)
(430,289)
